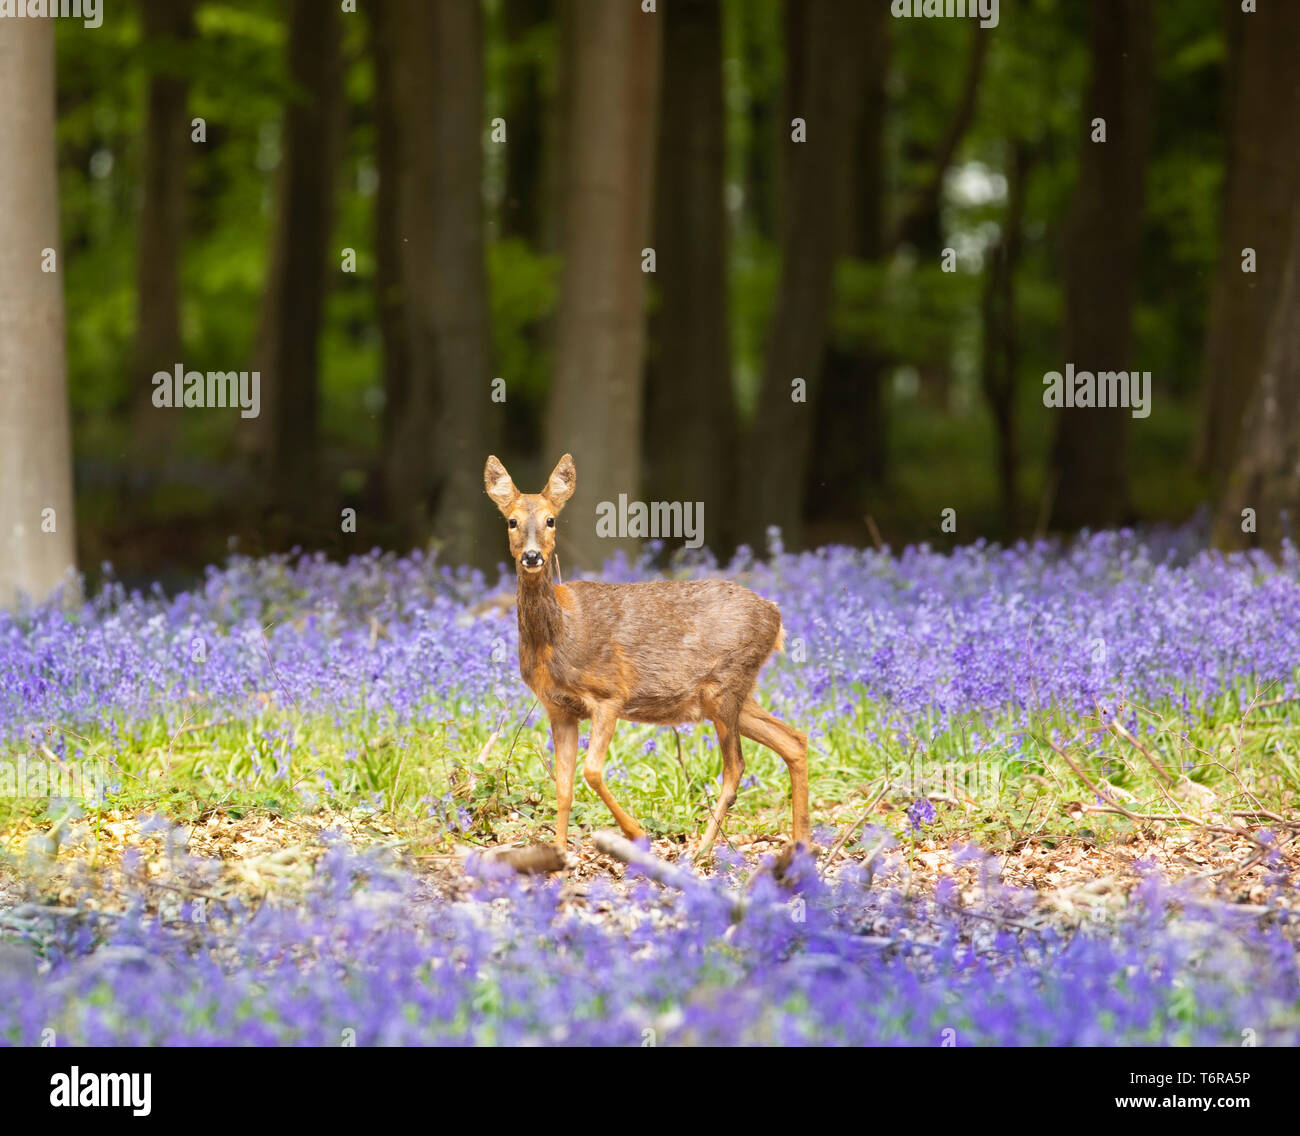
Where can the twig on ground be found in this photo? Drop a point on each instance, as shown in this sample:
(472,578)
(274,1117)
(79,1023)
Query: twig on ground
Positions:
(668,875)
(848,833)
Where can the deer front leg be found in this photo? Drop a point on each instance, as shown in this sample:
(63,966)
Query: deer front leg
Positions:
(603,720)
(564,733)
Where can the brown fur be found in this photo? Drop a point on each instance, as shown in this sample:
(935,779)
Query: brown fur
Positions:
(662,652)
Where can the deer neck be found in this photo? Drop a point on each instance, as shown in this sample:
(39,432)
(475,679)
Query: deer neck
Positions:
(541,620)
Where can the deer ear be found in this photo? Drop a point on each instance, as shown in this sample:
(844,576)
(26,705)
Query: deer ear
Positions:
(562,482)
(498,484)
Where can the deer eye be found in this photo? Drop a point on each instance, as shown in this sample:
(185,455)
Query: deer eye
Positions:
(513,523)
(550,522)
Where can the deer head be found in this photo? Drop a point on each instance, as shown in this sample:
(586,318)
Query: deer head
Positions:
(530,517)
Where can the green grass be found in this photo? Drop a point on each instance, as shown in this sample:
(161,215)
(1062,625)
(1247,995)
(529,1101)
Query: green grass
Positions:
(496,776)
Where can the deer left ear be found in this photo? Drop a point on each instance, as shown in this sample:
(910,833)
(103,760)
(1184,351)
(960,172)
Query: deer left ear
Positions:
(562,482)
(498,484)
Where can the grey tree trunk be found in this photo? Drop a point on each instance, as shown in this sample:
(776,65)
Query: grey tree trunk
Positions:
(848,451)
(167,24)
(1262,181)
(823,42)
(445,425)
(690,409)
(301,259)
(1266,476)
(37,529)
(610,53)
(1103,234)
(1000,359)
(467,428)
(390,301)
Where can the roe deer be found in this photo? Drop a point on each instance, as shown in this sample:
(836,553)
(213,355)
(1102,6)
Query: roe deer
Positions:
(663,652)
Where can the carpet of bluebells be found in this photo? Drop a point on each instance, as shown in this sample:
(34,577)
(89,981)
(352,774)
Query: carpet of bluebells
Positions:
(921,639)
(366,961)
(927,636)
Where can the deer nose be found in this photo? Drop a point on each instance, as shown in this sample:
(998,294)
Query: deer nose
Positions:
(531,559)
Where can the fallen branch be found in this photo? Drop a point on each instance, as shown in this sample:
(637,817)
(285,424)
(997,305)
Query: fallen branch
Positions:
(848,835)
(668,875)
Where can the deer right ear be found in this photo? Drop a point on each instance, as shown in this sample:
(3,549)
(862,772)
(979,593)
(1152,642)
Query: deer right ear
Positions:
(498,484)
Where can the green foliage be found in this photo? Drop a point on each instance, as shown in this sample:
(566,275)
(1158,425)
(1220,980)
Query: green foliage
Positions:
(901,308)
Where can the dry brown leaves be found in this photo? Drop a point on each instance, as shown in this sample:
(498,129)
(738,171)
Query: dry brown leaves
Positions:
(258,854)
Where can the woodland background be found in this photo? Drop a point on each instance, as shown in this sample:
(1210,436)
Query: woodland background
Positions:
(475,259)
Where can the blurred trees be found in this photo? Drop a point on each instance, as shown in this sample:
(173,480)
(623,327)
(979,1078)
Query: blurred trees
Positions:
(842,336)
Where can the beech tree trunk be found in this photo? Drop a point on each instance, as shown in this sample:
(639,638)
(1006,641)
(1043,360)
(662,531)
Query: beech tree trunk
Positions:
(396,478)
(301,257)
(823,42)
(849,442)
(690,408)
(1089,463)
(441,417)
(1266,477)
(37,526)
(1001,347)
(1262,182)
(167,24)
(610,53)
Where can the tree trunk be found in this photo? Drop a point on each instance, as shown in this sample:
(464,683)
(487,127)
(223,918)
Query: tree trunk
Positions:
(37,526)
(1103,233)
(390,303)
(822,42)
(849,447)
(690,408)
(1266,477)
(441,424)
(611,55)
(467,427)
(301,259)
(1001,349)
(1262,181)
(167,24)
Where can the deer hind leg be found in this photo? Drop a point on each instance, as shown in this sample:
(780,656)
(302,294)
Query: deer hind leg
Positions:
(603,721)
(733,768)
(564,732)
(792,747)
